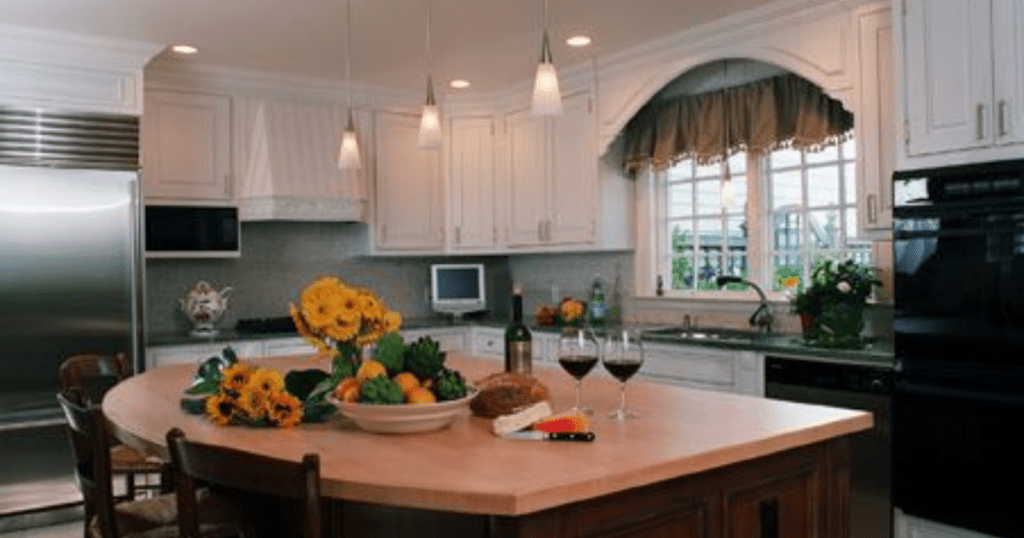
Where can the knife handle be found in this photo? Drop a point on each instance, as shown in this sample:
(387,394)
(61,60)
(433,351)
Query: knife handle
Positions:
(571,436)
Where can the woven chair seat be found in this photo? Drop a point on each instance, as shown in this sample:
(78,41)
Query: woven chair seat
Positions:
(125,459)
(157,517)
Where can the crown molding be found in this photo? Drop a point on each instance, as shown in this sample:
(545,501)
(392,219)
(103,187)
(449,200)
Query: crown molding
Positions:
(55,49)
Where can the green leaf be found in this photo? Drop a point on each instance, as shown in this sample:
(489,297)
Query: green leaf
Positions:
(322,388)
(344,366)
(317,412)
(300,383)
(194,406)
(229,354)
(391,352)
(204,386)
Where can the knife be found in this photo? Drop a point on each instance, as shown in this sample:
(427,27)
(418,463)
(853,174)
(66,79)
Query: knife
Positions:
(536,435)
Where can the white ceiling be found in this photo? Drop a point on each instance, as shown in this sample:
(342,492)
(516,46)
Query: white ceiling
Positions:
(494,44)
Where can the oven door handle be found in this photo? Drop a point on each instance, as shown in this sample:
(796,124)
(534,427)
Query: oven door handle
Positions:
(903,386)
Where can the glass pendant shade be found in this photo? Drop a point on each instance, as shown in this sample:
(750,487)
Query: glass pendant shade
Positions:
(728,193)
(547,99)
(348,154)
(430,122)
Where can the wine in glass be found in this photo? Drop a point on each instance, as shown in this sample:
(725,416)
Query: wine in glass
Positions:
(623,356)
(578,353)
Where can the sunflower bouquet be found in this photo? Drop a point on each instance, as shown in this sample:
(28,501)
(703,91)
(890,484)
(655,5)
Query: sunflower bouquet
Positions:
(339,319)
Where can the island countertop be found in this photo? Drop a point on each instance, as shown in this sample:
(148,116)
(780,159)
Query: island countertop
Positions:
(466,469)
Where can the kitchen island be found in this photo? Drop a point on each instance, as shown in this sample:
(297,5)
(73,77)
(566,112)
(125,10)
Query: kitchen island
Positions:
(696,463)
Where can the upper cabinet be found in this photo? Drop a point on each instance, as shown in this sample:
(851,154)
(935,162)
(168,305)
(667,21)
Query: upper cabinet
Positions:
(875,124)
(963,81)
(186,147)
(408,190)
(552,176)
(472,181)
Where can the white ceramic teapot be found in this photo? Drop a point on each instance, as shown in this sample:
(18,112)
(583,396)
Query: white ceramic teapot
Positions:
(203,306)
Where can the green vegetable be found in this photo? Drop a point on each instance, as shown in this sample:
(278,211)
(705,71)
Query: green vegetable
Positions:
(391,353)
(300,383)
(449,385)
(207,378)
(381,390)
(424,358)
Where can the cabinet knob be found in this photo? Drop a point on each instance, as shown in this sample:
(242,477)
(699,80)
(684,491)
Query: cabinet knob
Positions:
(981,121)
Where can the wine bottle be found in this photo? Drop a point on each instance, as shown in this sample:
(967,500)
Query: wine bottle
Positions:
(518,341)
(597,306)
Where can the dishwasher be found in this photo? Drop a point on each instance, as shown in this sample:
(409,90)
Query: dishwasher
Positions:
(852,385)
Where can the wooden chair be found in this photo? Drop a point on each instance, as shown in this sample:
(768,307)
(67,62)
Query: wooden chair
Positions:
(296,483)
(148,517)
(95,374)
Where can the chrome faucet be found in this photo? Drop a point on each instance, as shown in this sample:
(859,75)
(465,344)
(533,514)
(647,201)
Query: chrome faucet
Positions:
(762,316)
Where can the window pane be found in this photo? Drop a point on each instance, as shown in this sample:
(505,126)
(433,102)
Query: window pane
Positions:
(681,170)
(850,148)
(827,154)
(785,188)
(850,177)
(709,257)
(680,200)
(786,231)
(682,255)
(709,197)
(824,228)
(822,186)
(788,272)
(708,170)
(738,163)
(736,247)
(851,226)
(739,195)
(785,157)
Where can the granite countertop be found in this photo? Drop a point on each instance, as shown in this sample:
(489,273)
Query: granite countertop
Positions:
(878,352)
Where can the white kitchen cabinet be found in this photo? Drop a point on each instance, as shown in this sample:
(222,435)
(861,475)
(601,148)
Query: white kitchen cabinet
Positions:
(703,367)
(963,70)
(875,126)
(471,201)
(291,345)
(489,342)
(552,175)
(186,147)
(447,338)
(407,205)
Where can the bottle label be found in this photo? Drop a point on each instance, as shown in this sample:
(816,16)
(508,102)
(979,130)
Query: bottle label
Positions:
(519,358)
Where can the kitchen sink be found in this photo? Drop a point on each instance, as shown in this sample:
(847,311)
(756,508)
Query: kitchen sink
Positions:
(706,333)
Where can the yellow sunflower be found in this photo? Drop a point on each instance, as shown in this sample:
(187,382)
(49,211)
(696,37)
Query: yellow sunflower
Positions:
(392,321)
(220,408)
(373,331)
(345,326)
(320,302)
(252,403)
(235,377)
(284,409)
(266,380)
(369,305)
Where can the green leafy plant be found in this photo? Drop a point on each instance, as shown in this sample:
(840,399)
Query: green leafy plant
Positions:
(836,298)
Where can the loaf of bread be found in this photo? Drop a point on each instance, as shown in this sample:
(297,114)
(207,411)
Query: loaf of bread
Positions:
(506,392)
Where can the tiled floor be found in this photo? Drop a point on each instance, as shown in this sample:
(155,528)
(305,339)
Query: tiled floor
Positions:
(72,529)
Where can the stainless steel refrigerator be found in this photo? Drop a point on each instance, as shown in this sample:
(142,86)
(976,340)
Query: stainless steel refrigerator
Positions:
(70,281)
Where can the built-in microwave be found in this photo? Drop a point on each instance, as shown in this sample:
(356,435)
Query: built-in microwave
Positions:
(192,232)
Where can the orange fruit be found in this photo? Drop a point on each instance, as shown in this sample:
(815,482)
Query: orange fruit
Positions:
(419,395)
(344,386)
(369,370)
(406,381)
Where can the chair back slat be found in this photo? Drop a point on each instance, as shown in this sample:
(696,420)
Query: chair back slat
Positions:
(94,373)
(249,472)
(89,441)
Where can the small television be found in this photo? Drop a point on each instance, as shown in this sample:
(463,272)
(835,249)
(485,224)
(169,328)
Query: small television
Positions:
(457,288)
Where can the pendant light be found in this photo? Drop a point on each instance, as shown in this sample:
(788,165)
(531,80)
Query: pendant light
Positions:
(727,188)
(547,100)
(348,154)
(430,122)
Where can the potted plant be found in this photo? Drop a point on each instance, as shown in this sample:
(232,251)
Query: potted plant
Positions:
(832,308)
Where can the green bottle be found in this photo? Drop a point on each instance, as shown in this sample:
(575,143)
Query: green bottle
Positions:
(598,309)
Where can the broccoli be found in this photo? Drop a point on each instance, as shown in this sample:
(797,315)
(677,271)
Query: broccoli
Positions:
(449,385)
(381,390)
(424,358)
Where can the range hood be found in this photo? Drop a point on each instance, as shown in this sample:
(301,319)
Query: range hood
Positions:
(290,164)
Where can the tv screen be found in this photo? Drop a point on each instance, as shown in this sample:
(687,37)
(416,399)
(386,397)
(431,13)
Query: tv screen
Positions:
(457,288)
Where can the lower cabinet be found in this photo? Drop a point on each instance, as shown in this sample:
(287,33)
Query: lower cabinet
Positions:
(157,356)
(448,339)
(701,367)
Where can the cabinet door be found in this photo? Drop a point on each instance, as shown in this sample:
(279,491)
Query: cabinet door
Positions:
(186,146)
(472,202)
(573,196)
(948,74)
(689,366)
(785,506)
(528,178)
(408,187)
(1008,47)
(876,124)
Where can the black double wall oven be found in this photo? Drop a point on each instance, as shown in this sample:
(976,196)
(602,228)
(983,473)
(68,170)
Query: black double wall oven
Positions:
(958,404)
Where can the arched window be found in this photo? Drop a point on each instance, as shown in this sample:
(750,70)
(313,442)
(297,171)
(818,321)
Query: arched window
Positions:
(751,173)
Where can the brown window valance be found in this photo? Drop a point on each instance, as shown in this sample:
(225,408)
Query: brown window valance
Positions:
(765,115)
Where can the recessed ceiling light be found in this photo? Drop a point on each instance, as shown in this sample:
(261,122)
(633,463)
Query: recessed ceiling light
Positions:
(459,84)
(578,41)
(184,49)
